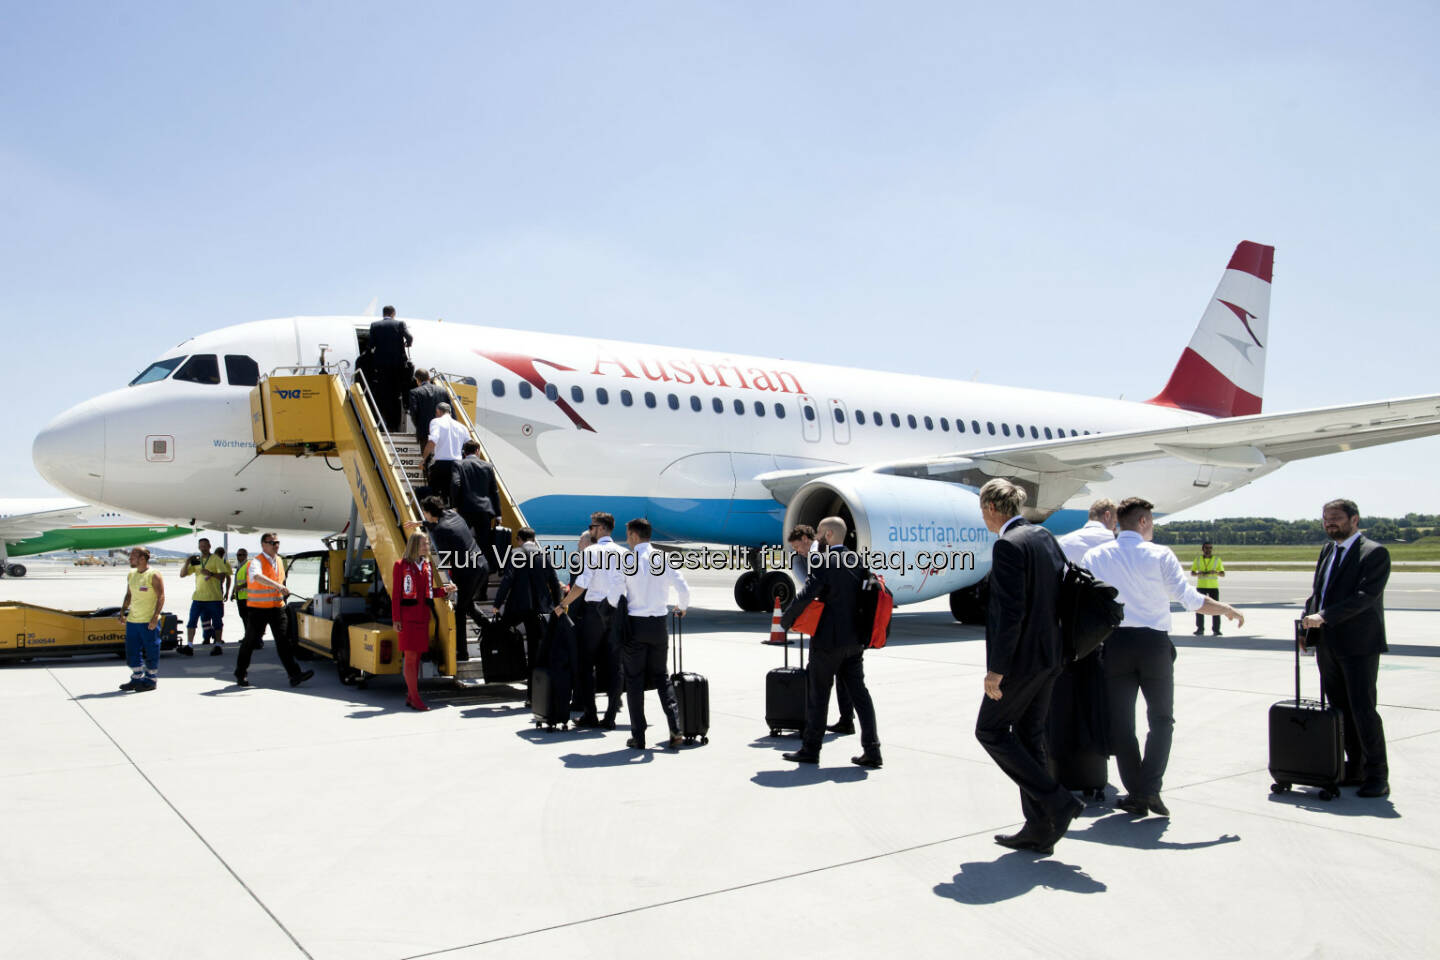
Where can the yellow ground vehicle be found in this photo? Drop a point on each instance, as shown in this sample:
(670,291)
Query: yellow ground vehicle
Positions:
(324,412)
(27,631)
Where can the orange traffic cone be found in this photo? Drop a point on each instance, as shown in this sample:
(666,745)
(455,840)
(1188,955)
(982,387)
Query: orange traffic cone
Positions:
(777,632)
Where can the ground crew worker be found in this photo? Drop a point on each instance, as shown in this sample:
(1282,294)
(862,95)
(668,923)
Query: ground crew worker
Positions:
(144,601)
(212,580)
(265,606)
(237,588)
(1207,569)
(389,339)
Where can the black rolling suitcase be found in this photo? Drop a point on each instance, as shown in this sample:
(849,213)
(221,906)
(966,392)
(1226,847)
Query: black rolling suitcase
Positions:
(692,691)
(553,675)
(502,653)
(1078,727)
(785,695)
(1307,744)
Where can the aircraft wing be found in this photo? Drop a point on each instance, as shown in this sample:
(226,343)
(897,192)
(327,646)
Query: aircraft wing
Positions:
(1053,471)
(27,525)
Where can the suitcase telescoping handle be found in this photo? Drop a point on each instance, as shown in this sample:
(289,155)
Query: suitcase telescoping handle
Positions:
(1301,634)
(677,632)
(787,649)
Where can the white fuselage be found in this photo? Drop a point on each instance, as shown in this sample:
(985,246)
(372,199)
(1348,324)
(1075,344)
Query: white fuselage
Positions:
(183,450)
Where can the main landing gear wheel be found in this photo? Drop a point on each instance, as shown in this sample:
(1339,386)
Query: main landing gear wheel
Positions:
(776,585)
(1279,788)
(16,570)
(747,592)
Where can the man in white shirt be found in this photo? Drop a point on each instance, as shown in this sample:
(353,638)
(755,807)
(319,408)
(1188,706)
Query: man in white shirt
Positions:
(647,596)
(602,581)
(1139,656)
(446,445)
(1099,529)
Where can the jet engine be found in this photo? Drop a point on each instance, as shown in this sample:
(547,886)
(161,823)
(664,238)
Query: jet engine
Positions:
(926,537)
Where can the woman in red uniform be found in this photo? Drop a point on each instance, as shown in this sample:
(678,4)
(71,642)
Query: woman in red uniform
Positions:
(411,601)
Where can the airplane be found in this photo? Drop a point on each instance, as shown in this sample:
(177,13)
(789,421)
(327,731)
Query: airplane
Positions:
(728,449)
(31,526)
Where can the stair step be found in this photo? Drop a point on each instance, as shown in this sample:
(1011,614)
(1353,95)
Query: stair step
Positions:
(469,670)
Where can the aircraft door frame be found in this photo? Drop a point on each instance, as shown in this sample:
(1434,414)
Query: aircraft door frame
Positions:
(809,425)
(840,420)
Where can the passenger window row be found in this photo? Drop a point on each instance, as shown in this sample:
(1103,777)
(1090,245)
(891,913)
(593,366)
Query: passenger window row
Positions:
(602,397)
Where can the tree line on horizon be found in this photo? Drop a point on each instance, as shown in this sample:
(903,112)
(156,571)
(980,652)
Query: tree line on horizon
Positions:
(1269,530)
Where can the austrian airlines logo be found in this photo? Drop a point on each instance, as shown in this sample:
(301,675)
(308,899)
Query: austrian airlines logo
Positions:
(524,368)
(1244,316)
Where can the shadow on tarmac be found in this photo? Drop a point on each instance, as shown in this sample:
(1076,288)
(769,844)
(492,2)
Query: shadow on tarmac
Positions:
(809,774)
(1345,805)
(1146,833)
(1014,875)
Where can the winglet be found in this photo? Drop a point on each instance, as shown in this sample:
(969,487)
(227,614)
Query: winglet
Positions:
(1222,371)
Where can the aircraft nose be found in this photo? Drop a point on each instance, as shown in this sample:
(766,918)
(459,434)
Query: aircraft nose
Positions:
(70,453)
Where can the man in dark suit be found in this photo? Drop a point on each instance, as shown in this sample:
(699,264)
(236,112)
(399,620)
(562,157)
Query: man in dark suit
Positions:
(424,398)
(1345,615)
(836,579)
(1022,659)
(389,339)
(477,495)
(528,587)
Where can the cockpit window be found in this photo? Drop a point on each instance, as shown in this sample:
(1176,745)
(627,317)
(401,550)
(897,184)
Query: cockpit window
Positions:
(201,368)
(241,371)
(158,370)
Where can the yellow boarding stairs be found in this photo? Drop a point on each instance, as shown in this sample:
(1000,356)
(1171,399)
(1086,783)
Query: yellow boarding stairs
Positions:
(312,411)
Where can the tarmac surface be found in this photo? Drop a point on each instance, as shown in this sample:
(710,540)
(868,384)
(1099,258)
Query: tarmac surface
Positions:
(206,820)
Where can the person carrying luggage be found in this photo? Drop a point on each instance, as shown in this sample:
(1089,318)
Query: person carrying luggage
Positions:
(648,583)
(836,579)
(601,581)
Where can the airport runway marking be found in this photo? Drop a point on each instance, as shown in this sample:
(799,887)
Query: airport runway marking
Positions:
(198,836)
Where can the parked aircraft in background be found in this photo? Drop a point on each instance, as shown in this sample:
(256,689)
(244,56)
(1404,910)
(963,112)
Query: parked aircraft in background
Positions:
(33,526)
(724,448)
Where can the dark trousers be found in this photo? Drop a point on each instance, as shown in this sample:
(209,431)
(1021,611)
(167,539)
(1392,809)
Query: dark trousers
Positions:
(599,659)
(1012,731)
(244,615)
(843,698)
(643,654)
(468,582)
(441,479)
(534,633)
(1214,594)
(1139,660)
(1349,683)
(390,390)
(827,665)
(482,529)
(256,620)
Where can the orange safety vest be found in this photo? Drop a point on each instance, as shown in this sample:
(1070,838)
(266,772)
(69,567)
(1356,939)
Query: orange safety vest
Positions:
(262,594)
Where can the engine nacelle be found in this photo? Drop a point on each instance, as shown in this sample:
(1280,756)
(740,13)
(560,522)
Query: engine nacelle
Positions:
(926,537)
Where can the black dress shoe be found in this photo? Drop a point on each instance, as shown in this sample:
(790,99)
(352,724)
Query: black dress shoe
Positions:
(635,744)
(185,650)
(1134,804)
(1200,632)
(802,756)
(1059,825)
(606,723)
(870,758)
(130,685)
(1374,789)
(300,678)
(1029,837)
(1157,806)
(588,720)
(240,680)
(843,728)
(1218,634)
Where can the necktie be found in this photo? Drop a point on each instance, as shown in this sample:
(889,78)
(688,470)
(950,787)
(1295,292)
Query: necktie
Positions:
(1334,569)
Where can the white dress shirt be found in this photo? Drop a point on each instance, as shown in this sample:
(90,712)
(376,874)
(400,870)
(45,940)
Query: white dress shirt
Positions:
(1342,552)
(1147,576)
(1077,543)
(602,571)
(647,590)
(448,436)
(800,565)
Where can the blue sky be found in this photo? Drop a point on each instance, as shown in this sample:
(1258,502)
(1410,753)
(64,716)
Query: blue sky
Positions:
(1040,198)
